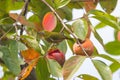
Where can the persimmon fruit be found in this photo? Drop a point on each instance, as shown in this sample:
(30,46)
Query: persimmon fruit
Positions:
(87,45)
(49,21)
(57,55)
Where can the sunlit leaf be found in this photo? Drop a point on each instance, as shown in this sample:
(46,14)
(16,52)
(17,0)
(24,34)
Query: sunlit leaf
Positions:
(71,66)
(42,70)
(103,69)
(80,28)
(100,25)
(105,18)
(27,70)
(54,68)
(10,56)
(107,21)
(87,77)
(29,54)
(113,48)
(108,6)
(101,13)
(114,67)
(61,3)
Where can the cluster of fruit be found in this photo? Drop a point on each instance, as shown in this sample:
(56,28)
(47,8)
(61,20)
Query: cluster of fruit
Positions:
(49,24)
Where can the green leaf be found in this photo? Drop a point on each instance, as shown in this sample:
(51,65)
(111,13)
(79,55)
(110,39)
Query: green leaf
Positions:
(62,46)
(37,7)
(1,54)
(61,3)
(87,77)
(77,5)
(100,25)
(100,13)
(107,21)
(108,6)
(54,68)
(10,56)
(113,48)
(42,70)
(108,58)
(105,18)
(71,66)
(80,28)
(13,5)
(97,36)
(8,5)
(6,23)
(67,12)
(52,79)
(114,67)
(21,46)
(70,44)
(103,69)
(34,18)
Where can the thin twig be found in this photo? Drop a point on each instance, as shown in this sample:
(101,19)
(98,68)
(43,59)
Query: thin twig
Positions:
(24,12)
(64,25)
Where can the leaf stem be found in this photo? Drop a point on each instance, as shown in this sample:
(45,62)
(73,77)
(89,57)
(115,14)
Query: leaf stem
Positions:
(64,25)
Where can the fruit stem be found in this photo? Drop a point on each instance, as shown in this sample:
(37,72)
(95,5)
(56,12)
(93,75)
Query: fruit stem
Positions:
(64,25)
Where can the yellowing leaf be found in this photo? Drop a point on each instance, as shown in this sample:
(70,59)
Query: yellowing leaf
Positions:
(29,55)
(27,70)
(71,66)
